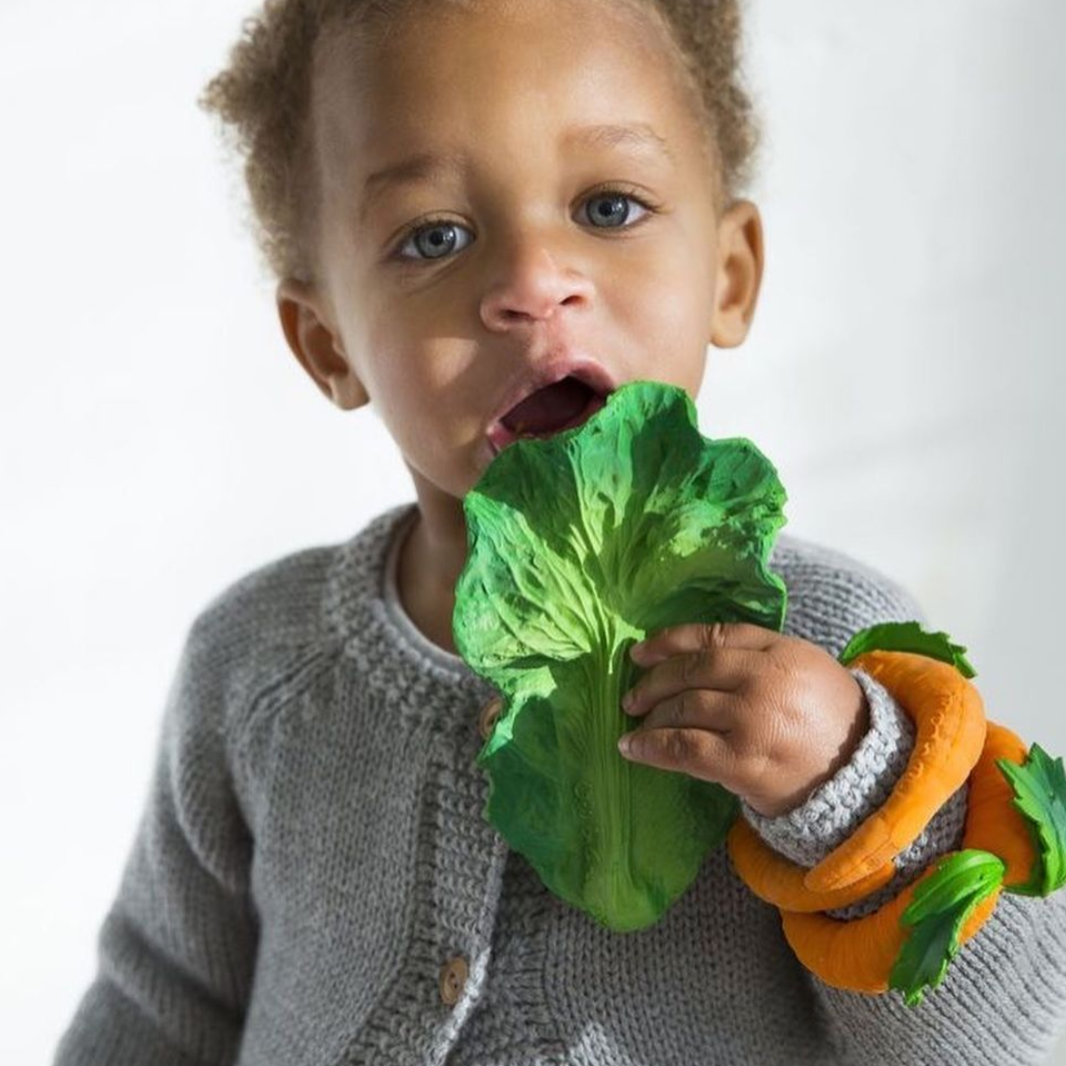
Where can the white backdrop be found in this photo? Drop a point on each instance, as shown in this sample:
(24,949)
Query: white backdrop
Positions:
(159,440)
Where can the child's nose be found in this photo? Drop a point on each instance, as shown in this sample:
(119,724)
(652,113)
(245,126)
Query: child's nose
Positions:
(535,284)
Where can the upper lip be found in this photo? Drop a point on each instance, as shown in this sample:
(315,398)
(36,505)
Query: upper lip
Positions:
(568,364)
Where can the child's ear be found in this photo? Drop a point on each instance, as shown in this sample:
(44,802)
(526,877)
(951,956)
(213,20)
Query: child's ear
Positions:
(739,273)
(316,345)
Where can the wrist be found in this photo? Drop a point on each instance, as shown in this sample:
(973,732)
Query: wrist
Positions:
(861,783)
(859,727)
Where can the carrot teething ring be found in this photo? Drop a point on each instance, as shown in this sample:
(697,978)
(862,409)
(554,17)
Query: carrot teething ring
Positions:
(993,823)
(949,716)
(1014,837)
(778,880)
(860,954)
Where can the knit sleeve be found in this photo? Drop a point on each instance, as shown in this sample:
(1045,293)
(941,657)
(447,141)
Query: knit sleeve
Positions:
(176,950)
(1003,998)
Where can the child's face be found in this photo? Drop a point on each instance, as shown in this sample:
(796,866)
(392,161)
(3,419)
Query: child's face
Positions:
(524,258)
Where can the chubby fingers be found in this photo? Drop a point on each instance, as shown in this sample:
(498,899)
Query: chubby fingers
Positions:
(717,655)
(690,690)
(697,752)
(721,670)
(701,636)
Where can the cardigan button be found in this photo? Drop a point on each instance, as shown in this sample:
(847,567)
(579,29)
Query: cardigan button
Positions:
(452,980)
(490,714)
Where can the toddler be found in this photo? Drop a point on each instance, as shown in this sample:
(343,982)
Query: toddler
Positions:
(484,217)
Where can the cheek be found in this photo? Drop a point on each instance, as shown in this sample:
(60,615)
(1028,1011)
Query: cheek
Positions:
(411,389)
(416,384)
(663,313)
(668,280)
(407,357)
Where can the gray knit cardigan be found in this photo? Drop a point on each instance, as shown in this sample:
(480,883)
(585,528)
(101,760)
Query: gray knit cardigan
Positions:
(313,883)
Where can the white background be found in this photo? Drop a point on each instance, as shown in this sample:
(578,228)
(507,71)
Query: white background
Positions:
(158,439)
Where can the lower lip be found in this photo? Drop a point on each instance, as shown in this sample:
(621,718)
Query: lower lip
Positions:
(500,436)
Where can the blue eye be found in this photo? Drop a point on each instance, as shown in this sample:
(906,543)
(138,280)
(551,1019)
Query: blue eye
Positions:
(612,215)
(435,238)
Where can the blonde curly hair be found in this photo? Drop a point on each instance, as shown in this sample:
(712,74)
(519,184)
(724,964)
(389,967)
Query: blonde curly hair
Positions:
(262,99)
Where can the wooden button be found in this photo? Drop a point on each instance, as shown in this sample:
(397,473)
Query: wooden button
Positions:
(452,980)
(490,713)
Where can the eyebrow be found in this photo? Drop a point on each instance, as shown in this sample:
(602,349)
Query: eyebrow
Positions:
(639,136)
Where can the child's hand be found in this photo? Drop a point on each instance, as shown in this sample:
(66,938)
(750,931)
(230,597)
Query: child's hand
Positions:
(768,716)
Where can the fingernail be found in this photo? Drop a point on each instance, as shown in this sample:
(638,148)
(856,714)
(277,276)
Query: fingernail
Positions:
(625,744)
(637,652)
(628,701)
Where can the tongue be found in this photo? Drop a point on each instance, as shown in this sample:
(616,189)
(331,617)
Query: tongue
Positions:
(548,408)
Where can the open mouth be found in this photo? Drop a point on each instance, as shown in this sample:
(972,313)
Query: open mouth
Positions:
(562,405)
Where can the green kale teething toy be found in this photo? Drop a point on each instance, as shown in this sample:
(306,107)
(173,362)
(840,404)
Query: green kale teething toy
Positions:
(580,545)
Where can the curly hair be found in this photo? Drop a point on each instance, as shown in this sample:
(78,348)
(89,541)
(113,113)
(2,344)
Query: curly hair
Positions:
(262,99)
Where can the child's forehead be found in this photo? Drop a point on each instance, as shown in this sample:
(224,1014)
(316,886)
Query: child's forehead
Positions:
(475,70)
(550,36)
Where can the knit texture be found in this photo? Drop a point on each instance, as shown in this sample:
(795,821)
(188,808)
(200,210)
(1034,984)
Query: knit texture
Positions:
(312,855)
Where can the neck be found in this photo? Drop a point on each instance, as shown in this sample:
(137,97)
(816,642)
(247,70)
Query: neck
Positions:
(431,558)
